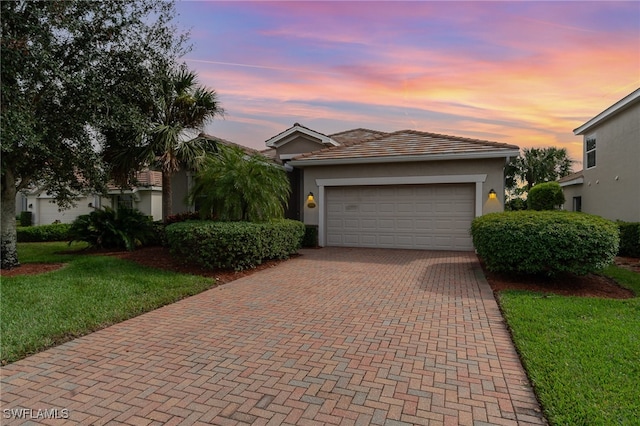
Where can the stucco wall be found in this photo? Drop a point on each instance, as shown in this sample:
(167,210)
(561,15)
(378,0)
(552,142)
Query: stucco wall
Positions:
(299,145)
(611,189)
(493,168)
(180,186)
(571,191)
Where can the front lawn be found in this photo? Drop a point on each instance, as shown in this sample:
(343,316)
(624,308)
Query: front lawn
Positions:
(89,293)
(581,354)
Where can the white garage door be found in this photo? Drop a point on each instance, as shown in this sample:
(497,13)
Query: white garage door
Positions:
(431,217)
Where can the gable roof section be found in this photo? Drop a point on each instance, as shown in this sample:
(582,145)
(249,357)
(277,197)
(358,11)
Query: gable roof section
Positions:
(407,145)
(614,109)
(288,135)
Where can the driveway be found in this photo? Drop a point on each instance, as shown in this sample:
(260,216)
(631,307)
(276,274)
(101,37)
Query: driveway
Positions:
(335,336)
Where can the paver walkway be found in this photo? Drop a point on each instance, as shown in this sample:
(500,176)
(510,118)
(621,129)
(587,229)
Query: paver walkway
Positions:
(335,336)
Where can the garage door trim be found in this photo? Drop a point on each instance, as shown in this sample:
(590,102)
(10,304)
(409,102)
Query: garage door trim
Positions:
(393,180)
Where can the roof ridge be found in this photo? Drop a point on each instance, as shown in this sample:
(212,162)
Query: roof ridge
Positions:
(459,138)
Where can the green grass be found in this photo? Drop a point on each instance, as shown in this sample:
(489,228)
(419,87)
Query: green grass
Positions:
(49,252)
(91,292)
(581,354)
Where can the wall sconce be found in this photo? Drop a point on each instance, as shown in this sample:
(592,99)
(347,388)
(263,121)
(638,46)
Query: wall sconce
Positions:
(311,202)
(30,206)
(492,194)
(90,205)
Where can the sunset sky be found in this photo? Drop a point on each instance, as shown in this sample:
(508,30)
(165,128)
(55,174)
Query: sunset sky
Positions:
(525,73)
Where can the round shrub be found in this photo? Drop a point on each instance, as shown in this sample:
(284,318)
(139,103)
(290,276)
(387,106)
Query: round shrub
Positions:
(545,196)
(545,241)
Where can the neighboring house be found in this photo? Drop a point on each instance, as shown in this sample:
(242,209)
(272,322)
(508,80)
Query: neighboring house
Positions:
(609,184)
(146,196)
(406,189)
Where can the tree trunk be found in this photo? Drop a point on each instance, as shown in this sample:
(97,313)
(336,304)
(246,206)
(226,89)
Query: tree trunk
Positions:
(166,196)
(8,234)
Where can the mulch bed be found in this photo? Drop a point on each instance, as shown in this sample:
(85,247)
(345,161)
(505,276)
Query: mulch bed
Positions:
(590,285)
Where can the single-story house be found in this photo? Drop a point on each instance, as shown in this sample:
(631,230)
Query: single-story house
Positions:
(406,189)
(145,196)
(609,184)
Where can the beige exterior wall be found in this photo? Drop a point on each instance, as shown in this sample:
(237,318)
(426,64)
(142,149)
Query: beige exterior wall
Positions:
(298,145)
(180,186)
(45,210)
(571,191)
(611,189)
(493,168)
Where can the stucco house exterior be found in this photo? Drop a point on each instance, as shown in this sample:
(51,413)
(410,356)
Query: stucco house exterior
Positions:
(609,184)
(406,189)
(145,196)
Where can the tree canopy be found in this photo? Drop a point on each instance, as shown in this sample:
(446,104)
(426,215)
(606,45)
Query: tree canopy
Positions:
(76,76)
(536,165)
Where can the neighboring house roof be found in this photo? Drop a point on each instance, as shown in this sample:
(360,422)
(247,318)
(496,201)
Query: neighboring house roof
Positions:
(624,103)
(143,179)
(572,179)
(284,137)
(407,145)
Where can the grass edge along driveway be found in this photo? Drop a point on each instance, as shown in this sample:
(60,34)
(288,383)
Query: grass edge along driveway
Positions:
(89,293)
(581,354)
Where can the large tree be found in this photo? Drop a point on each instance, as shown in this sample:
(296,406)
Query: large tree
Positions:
(240,186)
(536,165)
(75,75)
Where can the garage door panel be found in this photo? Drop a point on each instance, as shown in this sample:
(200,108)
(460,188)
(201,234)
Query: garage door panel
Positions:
(401,216)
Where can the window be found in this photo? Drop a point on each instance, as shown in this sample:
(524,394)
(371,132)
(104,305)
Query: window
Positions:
(577,204)
(590,148)
(125,202)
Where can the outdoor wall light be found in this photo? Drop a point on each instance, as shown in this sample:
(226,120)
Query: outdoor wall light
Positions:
(30,206)
(90,205)
(311,202)
(492,194)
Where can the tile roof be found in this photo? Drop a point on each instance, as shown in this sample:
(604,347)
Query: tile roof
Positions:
(227,143)
(143,179)
(406,143)
(570,177)
(349,137)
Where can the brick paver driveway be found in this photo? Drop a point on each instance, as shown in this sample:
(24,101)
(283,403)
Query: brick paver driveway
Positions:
(335,336)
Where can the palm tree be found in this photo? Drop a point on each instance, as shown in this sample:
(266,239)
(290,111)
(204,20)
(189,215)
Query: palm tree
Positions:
(537,165)
(234,185)
(183,108)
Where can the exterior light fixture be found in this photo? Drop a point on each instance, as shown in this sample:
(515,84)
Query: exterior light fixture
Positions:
(90,205)
(30,206)
(311,202)
(492,194)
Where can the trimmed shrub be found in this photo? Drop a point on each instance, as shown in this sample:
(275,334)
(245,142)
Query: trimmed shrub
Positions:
(26,218)
(234,245)
(629,239)
(545,196)
(43,233)
(107,228)
(310,236)
(549,242)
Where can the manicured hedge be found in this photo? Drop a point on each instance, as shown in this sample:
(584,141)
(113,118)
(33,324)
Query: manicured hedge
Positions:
(234,245)
(545,241)
(629,239)
(43,233)
(545,196)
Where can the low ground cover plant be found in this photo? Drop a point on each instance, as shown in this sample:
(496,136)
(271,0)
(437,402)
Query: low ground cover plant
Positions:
(43,233)
(548,242)
(581,354)
(234,245)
